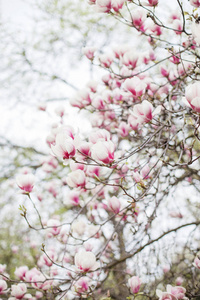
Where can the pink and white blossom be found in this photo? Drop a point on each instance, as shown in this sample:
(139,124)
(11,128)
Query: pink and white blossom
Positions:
(86,261)
(192,96)
(134,284)
(18,291)
(103,5)
(76,179)
(136,86)
(101,134)
(26,182)
(81,286)
(130,59)
(114,204)
(3,287)
(195,3)
(89,52)
(54,227)
(21,272)
(103,152)
(64,147)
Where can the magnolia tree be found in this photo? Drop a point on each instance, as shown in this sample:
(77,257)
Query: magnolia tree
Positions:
(114,214)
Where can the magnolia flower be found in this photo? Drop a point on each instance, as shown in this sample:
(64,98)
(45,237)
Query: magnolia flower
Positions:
(82,285)
(76,179)
(106,60)
(143,112)
(53,227)
(103,151)
(192,96)
(114,204)
(133,122)
(136,86)
(73,198)
(40,282)
(195,3)
(19,290)
(3,286)
(130,58)
(120,50)
(21,272)
(123,129)
(101,134)
(164,295)
(151,3)
(173,293)
(47,258)
(138,17)
(26,182)
(134,283)
(89,52)
(179,280)
(81,99)
(86,261)
(117,4)
(104,5)
(177,291)
(64,147)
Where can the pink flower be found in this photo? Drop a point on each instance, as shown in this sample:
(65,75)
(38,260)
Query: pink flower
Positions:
(64,146)
(114,204)
(123,129)
(101,134)
(103,151)
(133,122)
(86,261)
(98,102)
(82,285)
(138,18)
(3,286)
(53,227)
(89,52)
(40,282)
(73,197)
(104,5)
(177,291)
(47,258)
(195,3)
(134,283)
(164,295)
(179,280)
(143,112)
(136,86)
(81,99)
(26,182)
(152,2)
(19,290)
(106,60)
(192,95)
(76,179)
(130,58)
(117,4)
(21,272)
